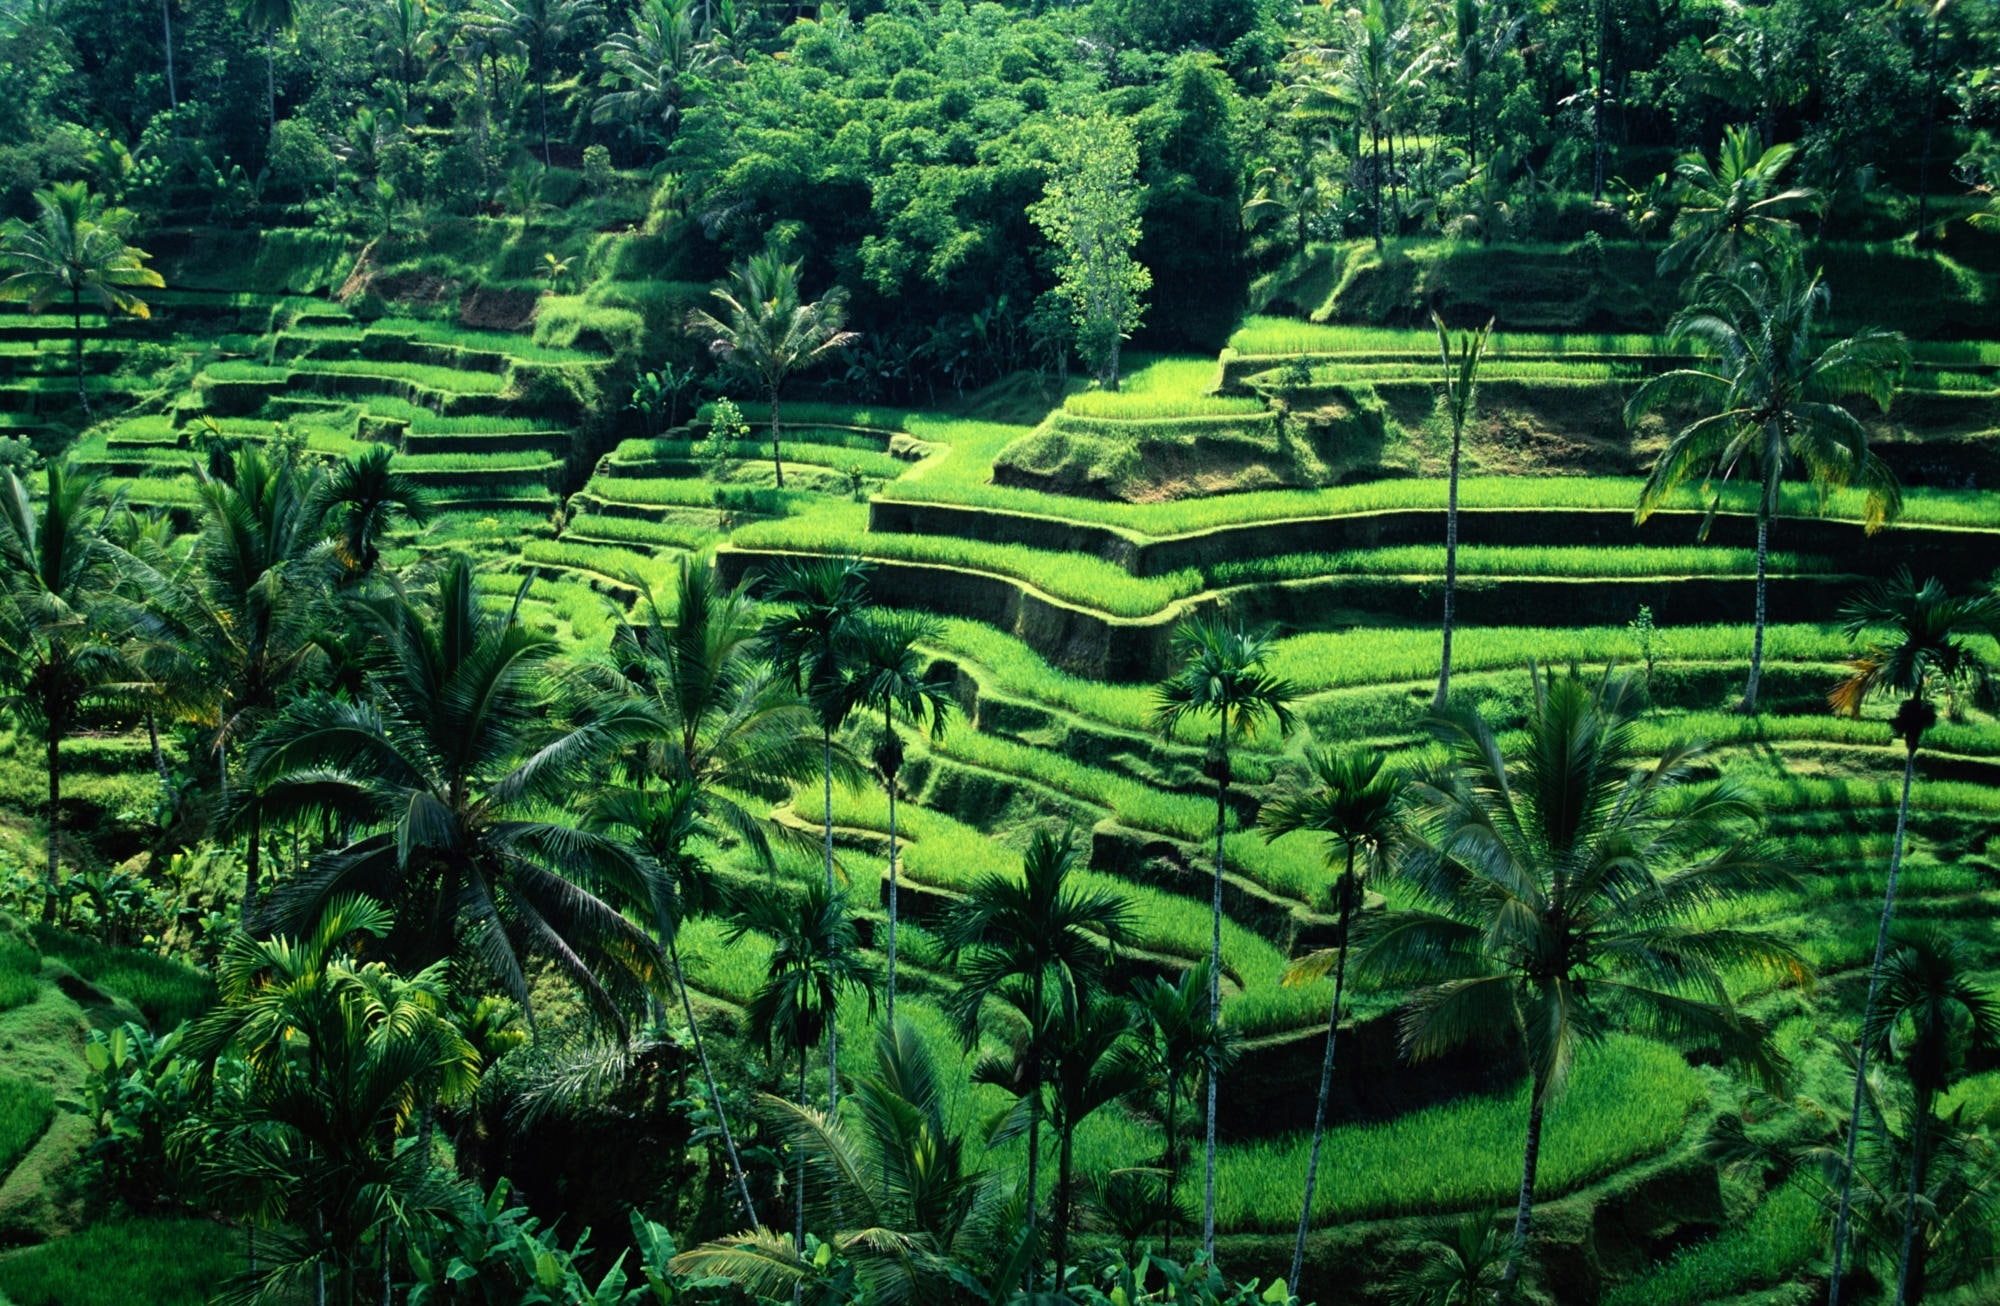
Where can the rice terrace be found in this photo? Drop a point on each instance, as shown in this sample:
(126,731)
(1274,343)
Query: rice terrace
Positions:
(1226,652)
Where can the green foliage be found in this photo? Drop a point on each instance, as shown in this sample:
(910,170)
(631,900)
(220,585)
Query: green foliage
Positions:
(1089,211)
(20,969)
(1783,1233)
(165,991)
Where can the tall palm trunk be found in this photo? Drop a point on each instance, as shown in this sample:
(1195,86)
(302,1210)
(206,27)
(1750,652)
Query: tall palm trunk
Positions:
(1518,1247)
(1749,704)
(889,727)
(832,1026)
(167,42)
(55,820)
(1034,1118)
(1846,1208)
(270,88)
(708,1077)
(1450,567)
(1930,125)
(1909,1268)
(777,458)
(799,1185)
(1325,1078)
(253,862)
(1214,1008)
(1597,103)
(1065,1163)
(76,345)
(1375,179)
(1173,1161)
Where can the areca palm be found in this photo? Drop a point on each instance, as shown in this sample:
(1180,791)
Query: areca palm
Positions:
(1042,941)
(1733,210)
(1185,1045)
(541,28)
(1460,386)
(446,770)
(1358,810)
(815,958)
(919,1220)
(1221,677)
(1095,1062)
(338,1060)
(1933,1013)
(1568,890)
(768,330)
(1927,641)
(889,676)
(75,249)
(268,18)
(1770,398)
(57,575)
(364,494)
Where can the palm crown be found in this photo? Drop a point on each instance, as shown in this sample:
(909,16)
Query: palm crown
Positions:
(1733,208)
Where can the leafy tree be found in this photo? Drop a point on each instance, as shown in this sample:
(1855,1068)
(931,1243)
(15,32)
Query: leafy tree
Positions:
(1460,386)
(1185,1045)
(1089,211)
(815,958)
(1221,677)
(1769,398)
(446,771)
(1042,943)
(1358,810)
(769,331)
(1928,640)
(1733,211)
(1463,1270)
(338,1058)
(75,248)
(364,494)
(889,677)
(1570,889)
(57,579)
(919,1220)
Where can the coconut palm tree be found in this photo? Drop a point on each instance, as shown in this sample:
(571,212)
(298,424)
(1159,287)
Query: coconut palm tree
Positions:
(654,69)
(768,330)
(1221,677)
(1345,798)
(541,28)
(1041,942)
(1927,641)
(1933,1013)
(1184,1045)
(446,771)
(1570,889)
(363,495)
(1732,210)
(1770,398)
(75,249)
(815,958)
(58,575)
(889,677)
(339,1060)
(269,18)
(918,1220)
(1460,382)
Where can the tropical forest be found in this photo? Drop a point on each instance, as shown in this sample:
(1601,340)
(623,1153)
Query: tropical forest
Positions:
(999,652)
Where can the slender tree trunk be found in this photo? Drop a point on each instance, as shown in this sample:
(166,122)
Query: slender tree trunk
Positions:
(886,725)
(1517,1248)
(1325,1079)
(1845,1210)
(76,346)
(708,1077)
(832,1026)
(1173,1161)
(542,93)
(270,87)
(1110,378)
(1450,560)
(167,41)
(799,1185)
(1395,190)
(1597,104)
(1930,124)
(55,822)
(159,757)
(1375,179)
(1749,704)
(253,862)
(777,458)
(1065,1162)
(1214,1014)
(1919,1162)
(1034,1121)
